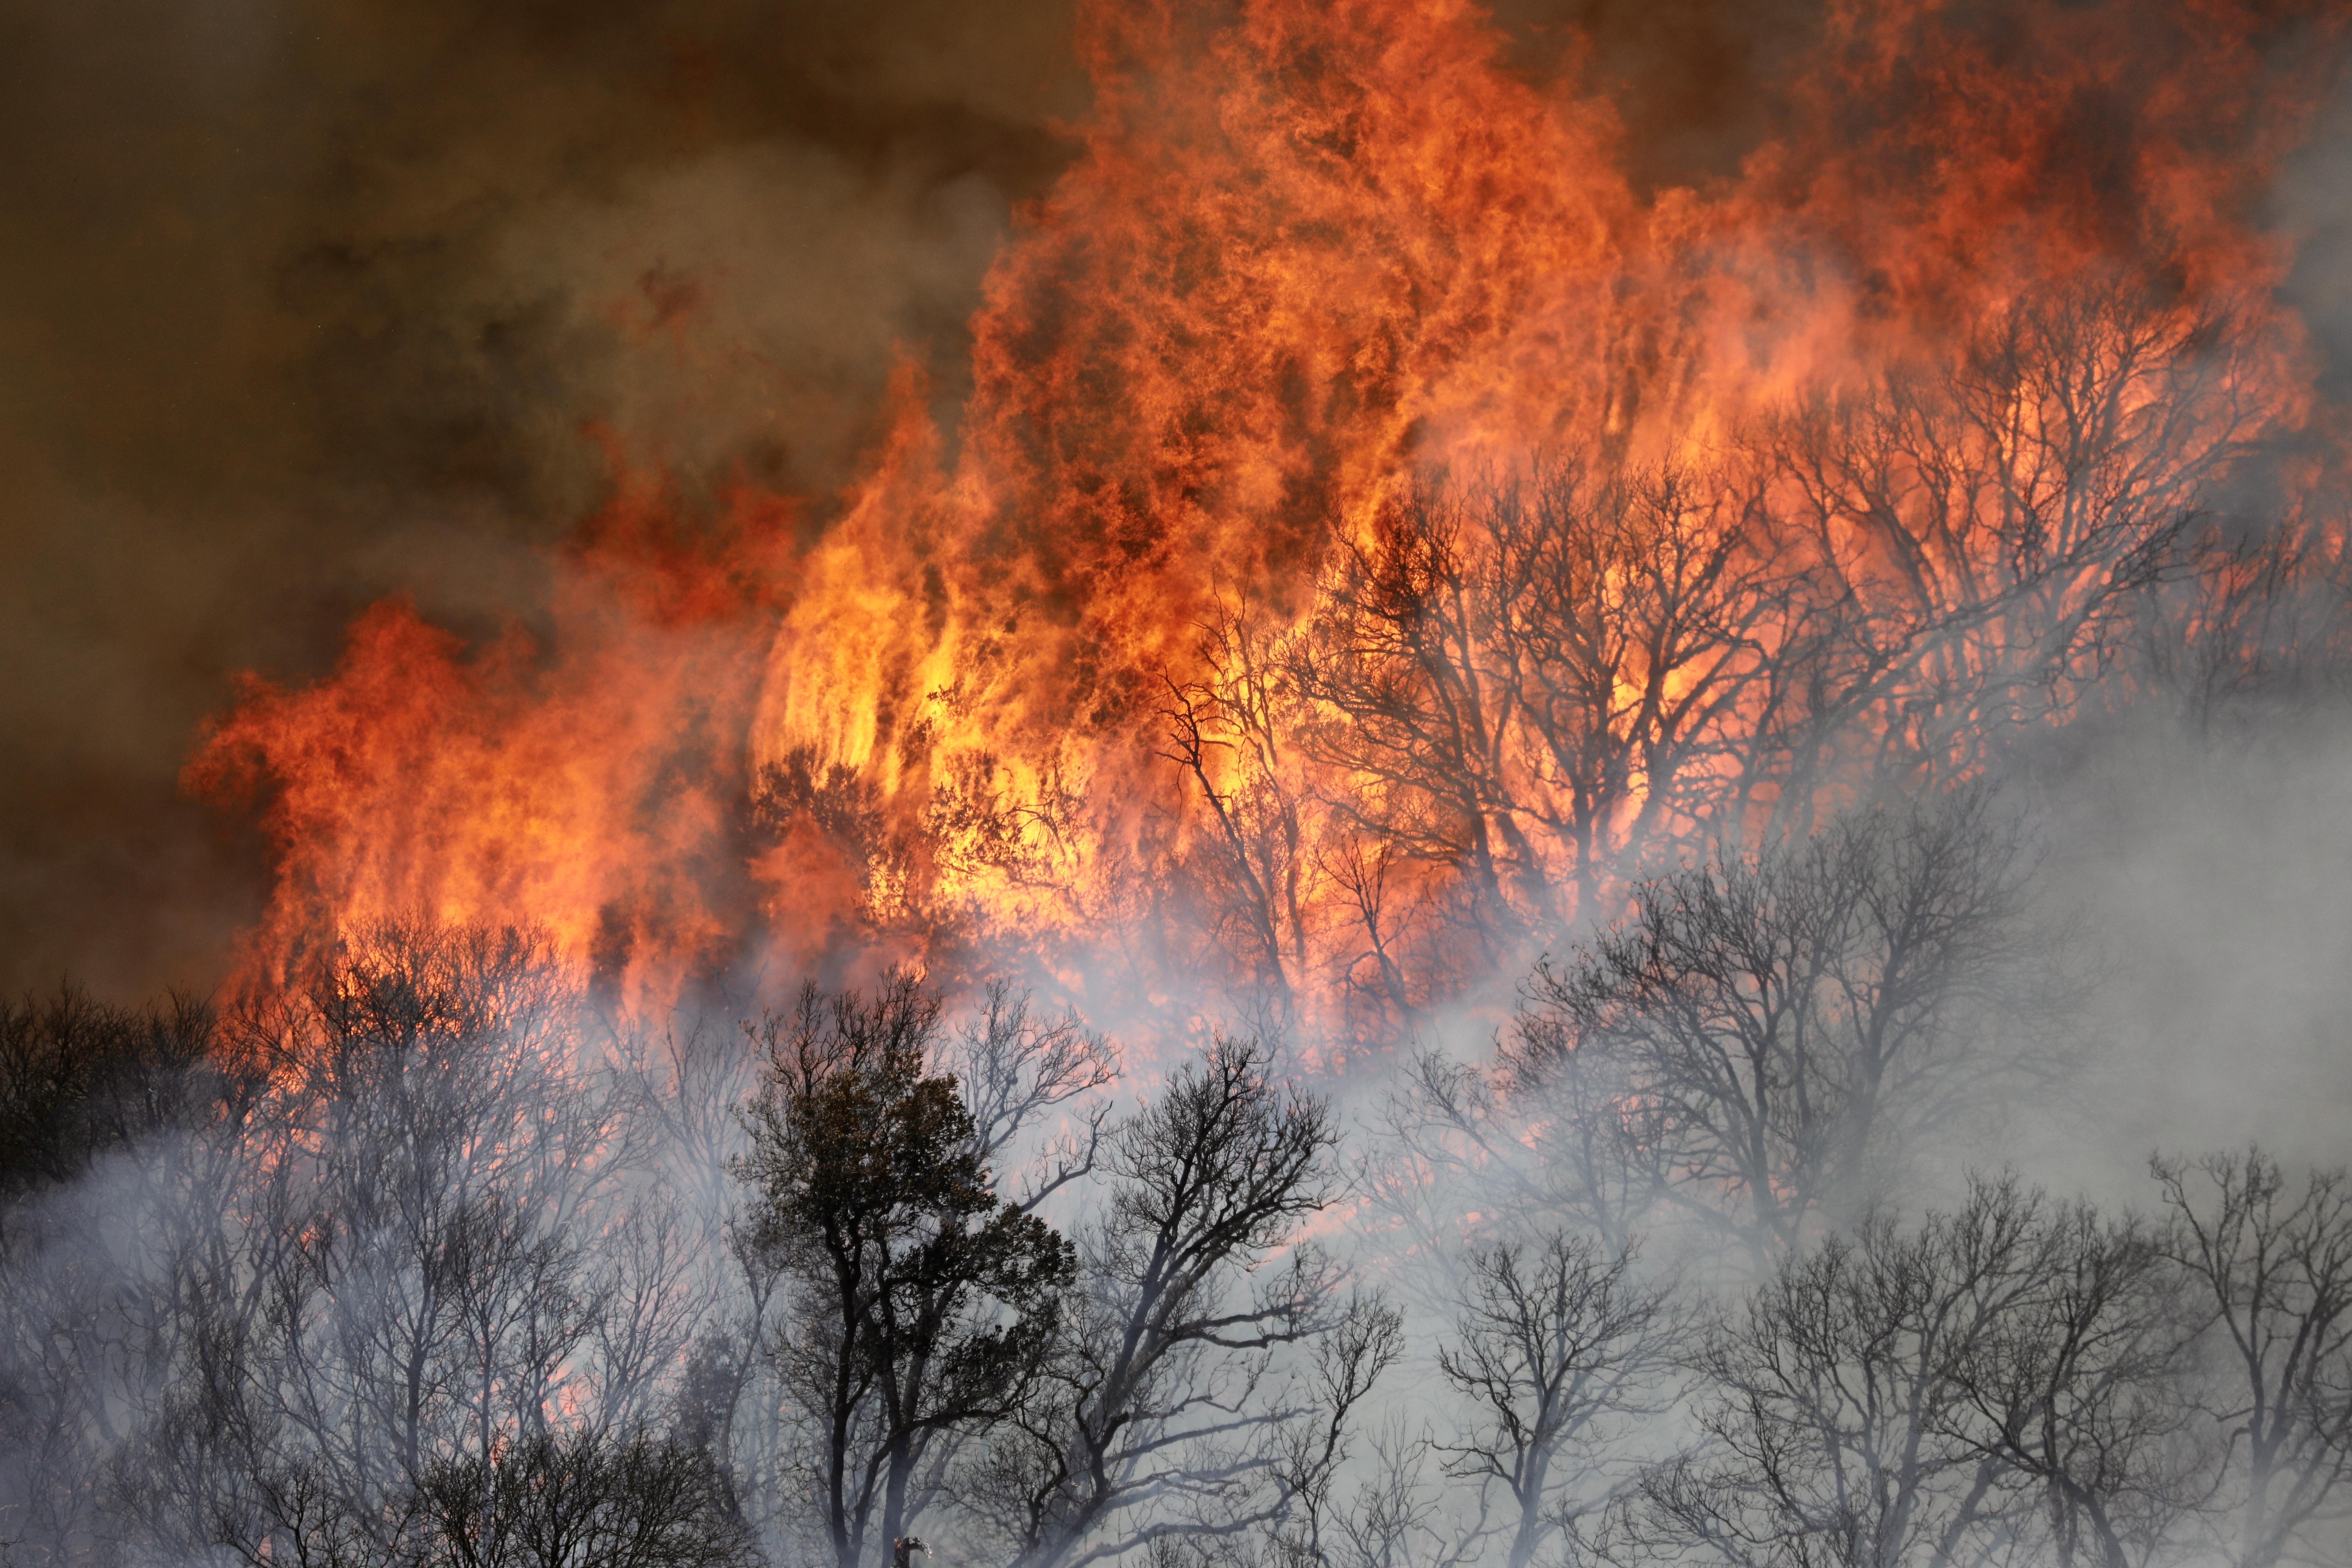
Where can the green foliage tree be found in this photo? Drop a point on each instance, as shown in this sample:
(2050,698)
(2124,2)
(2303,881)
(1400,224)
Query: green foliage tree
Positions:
(922,1304)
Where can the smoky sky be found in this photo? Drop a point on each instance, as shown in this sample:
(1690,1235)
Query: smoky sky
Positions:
(304,304)
(307,302)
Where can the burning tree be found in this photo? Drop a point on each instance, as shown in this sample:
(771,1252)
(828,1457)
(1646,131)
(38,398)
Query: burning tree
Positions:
(1379,537)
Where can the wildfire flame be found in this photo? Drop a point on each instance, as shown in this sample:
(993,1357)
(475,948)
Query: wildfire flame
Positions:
(1188,670)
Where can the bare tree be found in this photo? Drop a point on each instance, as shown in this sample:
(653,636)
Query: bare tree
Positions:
(376,1265)
(79,1079)
(1255,874)
(515,1299)
(107,1116)
(1835,1423)
(1763,1041)
(653,1287)
(1980,531)
(2272,1271)
(452,1126)
(1392,1519)
(2077,1392)
(1013,1068)
(1525,676)
(1164,1423)
(1553,1352)
(1460,1141)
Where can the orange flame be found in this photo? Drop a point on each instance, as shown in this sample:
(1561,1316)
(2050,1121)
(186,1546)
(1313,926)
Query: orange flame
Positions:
(1049,704)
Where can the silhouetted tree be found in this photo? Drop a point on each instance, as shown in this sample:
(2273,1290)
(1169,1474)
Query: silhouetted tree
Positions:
(79,1079)
(1162,1424)
(578,1498)
(1553,1350)
(1835,1398)
(1759,1045)
(2079,1394)
(922,1304)
(377,1265)
(2269,1270)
